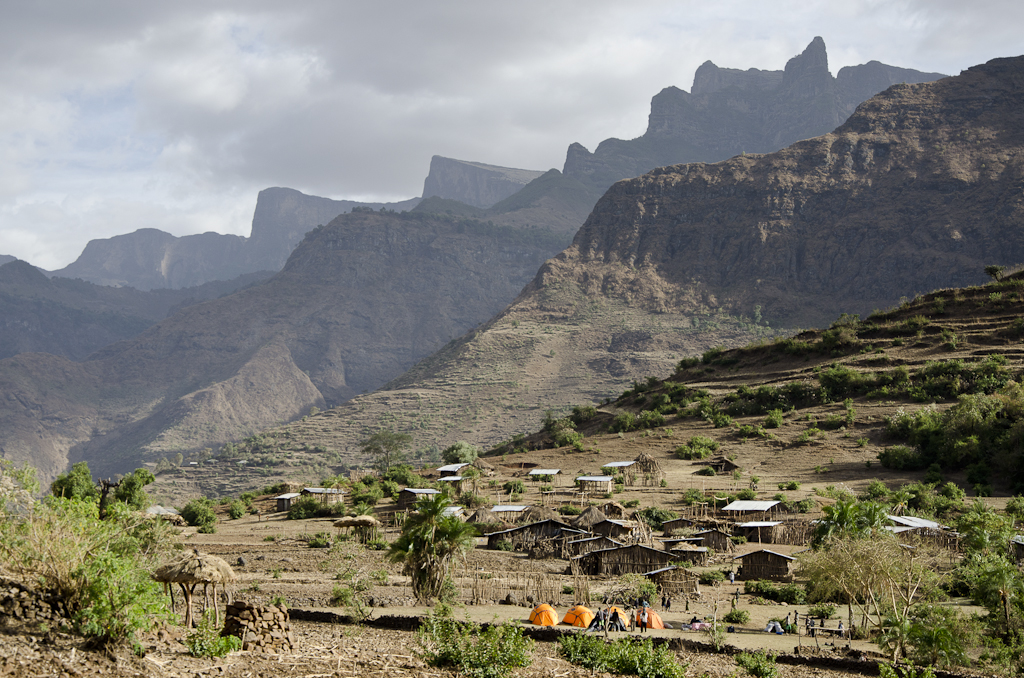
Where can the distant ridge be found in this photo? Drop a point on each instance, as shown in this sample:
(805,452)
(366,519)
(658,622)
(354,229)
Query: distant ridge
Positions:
(474,183)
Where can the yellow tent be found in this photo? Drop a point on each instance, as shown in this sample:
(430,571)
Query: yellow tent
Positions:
(578,616)
(544,615)
(653,619)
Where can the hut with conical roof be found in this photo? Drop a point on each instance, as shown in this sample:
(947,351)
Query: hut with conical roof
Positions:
(590,517)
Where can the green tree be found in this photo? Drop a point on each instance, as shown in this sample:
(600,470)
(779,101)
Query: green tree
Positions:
(985,531)
(460,453)
(131,489)
(75,484)
(386,448)
(429,542)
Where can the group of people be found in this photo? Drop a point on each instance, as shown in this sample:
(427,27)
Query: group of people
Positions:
(609,617)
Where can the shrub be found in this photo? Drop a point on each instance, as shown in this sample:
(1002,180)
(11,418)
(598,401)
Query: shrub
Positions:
(737,617)
(514,487)
(581,414)
(901,458)
(712,577)
(199,513)
(570,510)
(823,610)
(236,510)
(774,419)
(205,640)
(460,453)
(697,447)
(746,494)
(760,664)
(491,653)
(303,508)
(320,540)
(706,471)
(655,516)
(624,656)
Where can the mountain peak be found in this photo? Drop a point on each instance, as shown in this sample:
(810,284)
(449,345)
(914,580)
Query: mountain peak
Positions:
(813,62)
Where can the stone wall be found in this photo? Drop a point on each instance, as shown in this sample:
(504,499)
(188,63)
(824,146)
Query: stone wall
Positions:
(29,605)
(262,629)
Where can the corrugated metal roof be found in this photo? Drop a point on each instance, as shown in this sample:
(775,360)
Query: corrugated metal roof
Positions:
(508,508)
(746,505)
(594,479)
(450,479)
(544,472)
(421,491)
(618,464)
(914,521)
(452,467)
(452,511)
(323,490)
(761,523)
(289,495)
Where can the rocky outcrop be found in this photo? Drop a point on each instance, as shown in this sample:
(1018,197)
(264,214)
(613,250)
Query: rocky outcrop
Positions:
(729,112)
(358,302)
(474,183)
(151,259)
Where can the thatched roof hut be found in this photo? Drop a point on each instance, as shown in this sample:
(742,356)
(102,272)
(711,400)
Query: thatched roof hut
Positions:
(538,513)
(190,570)
(590,517)
(614,509)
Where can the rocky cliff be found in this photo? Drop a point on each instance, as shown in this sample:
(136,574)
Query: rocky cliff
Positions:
(150,259)
(729,112)
(920,189)
(474,183)
(358,302)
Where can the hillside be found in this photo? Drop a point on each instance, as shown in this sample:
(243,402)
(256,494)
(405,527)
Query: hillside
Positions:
(729,112)
(74,318)
(358,302)
(919,190)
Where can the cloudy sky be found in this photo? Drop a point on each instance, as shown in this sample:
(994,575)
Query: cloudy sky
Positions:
(116,116)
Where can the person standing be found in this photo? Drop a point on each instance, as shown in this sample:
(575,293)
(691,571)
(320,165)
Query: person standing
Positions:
(643,620)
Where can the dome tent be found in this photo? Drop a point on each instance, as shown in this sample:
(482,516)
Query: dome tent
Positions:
(544,615)
(578,615)
(653,619)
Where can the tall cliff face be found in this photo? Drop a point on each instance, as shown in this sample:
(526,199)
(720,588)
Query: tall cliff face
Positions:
(474,183)
(151,259)
(358,302)
(729,112)
(920,189)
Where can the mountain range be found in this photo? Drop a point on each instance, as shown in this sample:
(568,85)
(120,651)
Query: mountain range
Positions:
(362,299)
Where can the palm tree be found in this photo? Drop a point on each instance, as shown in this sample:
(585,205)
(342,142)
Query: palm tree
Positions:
(430,541)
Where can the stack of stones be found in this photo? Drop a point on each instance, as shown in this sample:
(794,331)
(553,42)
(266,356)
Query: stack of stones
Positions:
(25,604)
(262,629)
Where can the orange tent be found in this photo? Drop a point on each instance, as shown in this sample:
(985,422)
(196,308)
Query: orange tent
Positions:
(578,616)
(544,615)
(622,615)
(653,619)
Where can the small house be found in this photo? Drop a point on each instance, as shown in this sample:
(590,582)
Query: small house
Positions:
(525,537)
(675,581)
(765,564)
(326,495)
(671,543)
(676,525)
(599,484)
(743,507)
(450,469)
(284,501)
(761,531)
(688,553)
(716,539)
(408,497)
(635,559)
(453,483)
(508,513)
(578,547)
(721,465)
(616,529)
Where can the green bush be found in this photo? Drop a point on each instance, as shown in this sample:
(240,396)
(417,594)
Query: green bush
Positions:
(697,447)
(706,471)
(320,540)
(581,414)
(774,419)
(737,617)
(476,653)
(712,577)
(199,513)
(570,510)
(823,610)
(655,516)
(624,656)
(460,453)
(236,510)
(760,664)
(514,486)
(205,640)
(792,594)
(746,494)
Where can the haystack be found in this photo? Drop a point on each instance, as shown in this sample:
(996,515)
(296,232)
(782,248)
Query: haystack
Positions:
(366,528)
(615,510)
(586,520)
(189,571)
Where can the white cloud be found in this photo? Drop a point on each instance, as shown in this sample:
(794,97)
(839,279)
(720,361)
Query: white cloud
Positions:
(119,115)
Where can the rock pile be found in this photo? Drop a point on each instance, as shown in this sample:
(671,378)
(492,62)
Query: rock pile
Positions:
(26,604)
(262,629)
